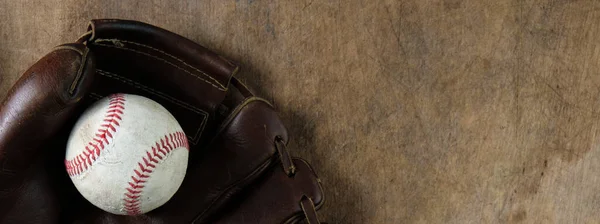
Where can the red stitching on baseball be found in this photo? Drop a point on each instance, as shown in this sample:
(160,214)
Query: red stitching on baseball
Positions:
(84,160)
(145,167)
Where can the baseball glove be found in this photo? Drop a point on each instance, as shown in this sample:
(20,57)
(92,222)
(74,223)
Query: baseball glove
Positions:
(240,170)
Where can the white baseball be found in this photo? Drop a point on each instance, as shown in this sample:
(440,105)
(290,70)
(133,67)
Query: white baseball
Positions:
(127,154)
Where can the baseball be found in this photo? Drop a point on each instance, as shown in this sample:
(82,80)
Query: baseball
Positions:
(127,154)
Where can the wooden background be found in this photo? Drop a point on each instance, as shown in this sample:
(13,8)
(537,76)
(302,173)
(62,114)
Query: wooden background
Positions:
(422,111)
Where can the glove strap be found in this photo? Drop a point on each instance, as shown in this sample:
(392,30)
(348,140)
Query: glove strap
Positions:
(308,206)
(284,156)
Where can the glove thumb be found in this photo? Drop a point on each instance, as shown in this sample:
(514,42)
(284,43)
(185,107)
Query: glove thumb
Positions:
(40,103)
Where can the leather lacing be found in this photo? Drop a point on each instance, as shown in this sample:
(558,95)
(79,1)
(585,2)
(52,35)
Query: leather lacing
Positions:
(306,203)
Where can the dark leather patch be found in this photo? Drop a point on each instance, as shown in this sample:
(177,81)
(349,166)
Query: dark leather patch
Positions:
(192,119)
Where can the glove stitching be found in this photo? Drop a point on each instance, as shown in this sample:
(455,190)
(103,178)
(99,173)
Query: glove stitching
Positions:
(165,53)
(108,128)
(141,174)
(220,87)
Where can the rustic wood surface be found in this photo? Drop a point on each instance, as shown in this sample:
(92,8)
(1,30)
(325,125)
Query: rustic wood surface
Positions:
(422,111)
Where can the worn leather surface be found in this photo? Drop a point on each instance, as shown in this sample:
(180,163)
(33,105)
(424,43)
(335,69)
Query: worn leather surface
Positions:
(232,132)
(278,193)
(31,116)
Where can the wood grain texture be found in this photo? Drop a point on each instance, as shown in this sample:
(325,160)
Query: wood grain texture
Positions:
(422,111)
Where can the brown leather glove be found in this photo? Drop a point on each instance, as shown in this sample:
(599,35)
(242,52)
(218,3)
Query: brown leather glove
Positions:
(239,170)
